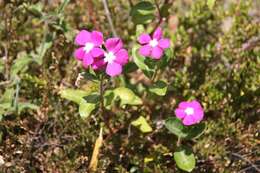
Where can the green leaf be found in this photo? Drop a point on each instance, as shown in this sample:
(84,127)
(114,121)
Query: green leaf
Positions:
(36,9)
(87,101)
(195,130)
(143,12)
(21,63)
(109,97)
(5,106)
(175,126)
(141,62)
(74,95)
(1,66)
(185,159)
(62,6)
(142,124)
(8,96)
(164,62)
(127,96)
(211,3)
(159,88)
(86,108)
(25,105)
(165,10)
(43,48)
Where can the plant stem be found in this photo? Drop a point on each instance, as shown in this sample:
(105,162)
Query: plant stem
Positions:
(101,91)
(102,108)
(105,4)
(179,142)
(154,74)
(159,16)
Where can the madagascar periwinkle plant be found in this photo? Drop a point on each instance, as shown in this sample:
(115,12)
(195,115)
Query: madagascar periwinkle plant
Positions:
(105,59)
(142,79)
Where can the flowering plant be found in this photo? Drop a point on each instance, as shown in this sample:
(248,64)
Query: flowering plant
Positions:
(101,56)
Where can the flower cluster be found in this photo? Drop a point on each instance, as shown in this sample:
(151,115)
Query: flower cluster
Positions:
(94,52)
(110,55)
(190,112)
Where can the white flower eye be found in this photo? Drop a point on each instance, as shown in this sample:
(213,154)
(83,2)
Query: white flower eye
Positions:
(189,111)
(153,43)
(88,47)
(109,57)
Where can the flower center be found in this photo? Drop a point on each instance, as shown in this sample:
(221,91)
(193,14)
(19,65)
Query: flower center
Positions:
(109,57)
(153,43)
(189,111)
(88,47)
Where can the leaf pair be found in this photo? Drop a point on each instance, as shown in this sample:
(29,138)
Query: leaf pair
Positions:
(88,101)
(175,126)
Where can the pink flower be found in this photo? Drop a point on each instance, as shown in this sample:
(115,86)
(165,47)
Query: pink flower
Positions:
(189,112)
(114,57)
(90,46)
(155,46)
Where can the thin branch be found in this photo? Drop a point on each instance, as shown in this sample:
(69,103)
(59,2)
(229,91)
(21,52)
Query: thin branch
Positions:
(161,18)
(105,4)
(5,82)
(130,3)
(246,160)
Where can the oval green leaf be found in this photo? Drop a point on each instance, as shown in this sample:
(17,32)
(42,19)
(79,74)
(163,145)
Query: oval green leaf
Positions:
(175,126)
(127,96)
(185,159)
(159,88)
(74,95)
(142,124)
(142,12)
(141,62)
(85,109)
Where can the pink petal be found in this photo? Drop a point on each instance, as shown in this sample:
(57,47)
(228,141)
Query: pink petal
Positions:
(180,113)
(113,69)
(189,120)
(144,38)
(83,37)
(164,43)
(198,115)
(88,59)
(145,50)
(195,104)
(97,52)
(184,105)
(157,33)
(98,64)
(97,38)
(157,53)
(121,57)
(79,53)
(114,44)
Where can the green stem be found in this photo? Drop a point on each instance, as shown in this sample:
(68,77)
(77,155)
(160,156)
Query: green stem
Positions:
(101,91)
(102,107)
(154,74)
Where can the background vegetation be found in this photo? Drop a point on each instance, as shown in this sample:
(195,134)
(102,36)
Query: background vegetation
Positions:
(216,59)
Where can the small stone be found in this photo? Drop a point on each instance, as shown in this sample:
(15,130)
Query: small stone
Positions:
(2,160)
